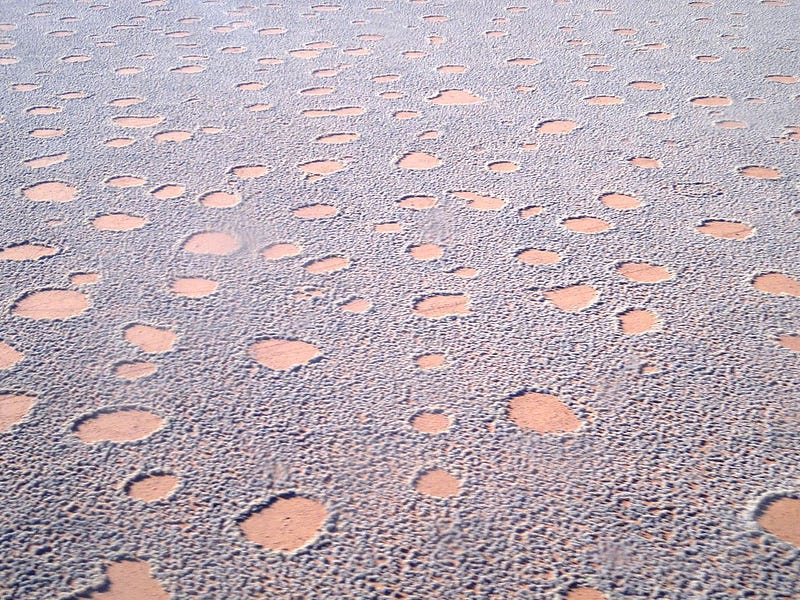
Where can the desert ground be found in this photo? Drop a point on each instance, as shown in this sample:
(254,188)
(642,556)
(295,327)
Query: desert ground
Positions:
(405,299)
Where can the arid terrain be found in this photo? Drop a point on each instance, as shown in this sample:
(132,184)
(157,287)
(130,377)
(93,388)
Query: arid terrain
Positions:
(410,299)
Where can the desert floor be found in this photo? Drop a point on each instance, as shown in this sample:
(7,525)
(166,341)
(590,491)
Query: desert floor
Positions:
(399,299)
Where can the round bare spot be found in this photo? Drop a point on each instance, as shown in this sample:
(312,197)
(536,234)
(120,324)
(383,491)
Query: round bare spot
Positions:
(283,354)
(635,322)
(219,199)
(732,124)
(150,339)
(426,252)
(280,251)
(660,116)
(503,166)
(648,86)
(27,251)
(603,100)
(131,580)
(172,136)
(137,122)
(330,264)
(556,127)
(322,167)
(51,304)
(418,161)
(391,227)
(586,224)
(46,161)
(620,201)
(711,101)
(727,230)
(152,487)
(119,142)
(645,162)
(585,593)
(9,357)
(530,211)
(442,305)
(315,211)
(437,483)
(133,370)
(524,61)
(777,283)
(249,171)
(757,172)
(790,341)
(211,242)
(455,98)
(194,287)
(47,133)
(538,257)
(50,191)
(430,422)
(417,202)
(572,298)
(642,272)
(169,191)
(13,408)
(430,361)
(125,425)
(786,79)
(118,222)
(337,138)
(357,305)
(125,181)
(542,413)
(286,524)
(781,518)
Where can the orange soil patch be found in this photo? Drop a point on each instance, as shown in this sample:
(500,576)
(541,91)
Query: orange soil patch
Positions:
(538,257)
(131,371)
(426,252)
(330,264)
(556,127)
(118,222)
(211,242)
(781,518)
(315,211)
(287,524)
(777,283)
(9,357)
(152,488)
(280,251)
(503,166)
(585,593)
(572,298)
(430,361)
(438,483)
(442,305)
(645,162)
(635,322)
(455,98)
(50,191)
(13,408)
(586,224)
(480,202)
(85,278)
(51,304)
(418,161)
(337,138)
(711,101)
(620,201)
(194,287)
(249,171)
(756,172)
(643,272)
(282,354)
(358,306)
(131,580)
(727,230)
(787,340)
(430,422)
(219,199)
(27,252)
(417,202)
(152,340)
(124,425)
(125,181)
(542,413)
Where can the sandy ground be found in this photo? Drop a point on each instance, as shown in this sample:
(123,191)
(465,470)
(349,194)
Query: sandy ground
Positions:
(399,299)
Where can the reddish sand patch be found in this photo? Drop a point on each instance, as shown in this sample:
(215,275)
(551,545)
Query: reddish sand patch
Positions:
(572,298)
(125,181)
(465,272)
(150,339)
(430,422)
(131,580)
(119,142)
(426,252)
(757,172)
(315,211)
(322,167)
(249,171)
(648,86)
(51,304)
(790,341)
(13,408)
(556,127)
(46,161)
(660,116)
(327,265)
(620,201)
(777,283)
(524,61)
(47,133)
(211,242)
(503,166)
(586,224)
(391,227)
(9,357)
(430,361)
(133,370)
(781,518)
(479,201)
(175,136)
(50,191)
(152,488)
(417,202)
(124,425)
(635,322)
(530,211)
(437,483)
(727,230)
(418,161)
(585,593)
(452,69)
(169,191)
(84,278)
(280,251)
(787,79)
(645,162)
(357,306)
(642,272)
(219,199)
(137,122)
(442,305)
(27,251)
(542,413)
(286,524)
(118,222)
(455,98)
(194,287)
(711,101)
(538,257)
(337,138)
(603,100)
(282,354)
